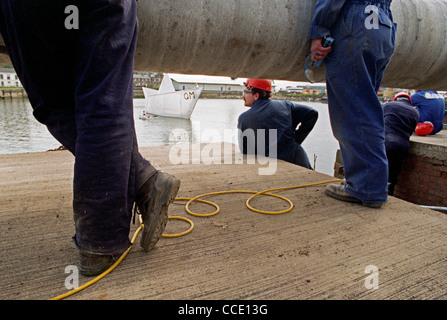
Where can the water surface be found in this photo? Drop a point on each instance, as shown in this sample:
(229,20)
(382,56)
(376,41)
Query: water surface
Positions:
(213,120)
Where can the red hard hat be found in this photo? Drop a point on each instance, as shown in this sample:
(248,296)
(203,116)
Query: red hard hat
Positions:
(424,128)
(402,94)
(262,84)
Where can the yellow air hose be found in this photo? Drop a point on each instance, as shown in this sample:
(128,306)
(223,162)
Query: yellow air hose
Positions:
(198,199)
(102,275)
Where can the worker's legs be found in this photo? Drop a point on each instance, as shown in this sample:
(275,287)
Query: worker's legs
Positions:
(107,163)
(396,151)
(79,83)
(41,50)
(354,73)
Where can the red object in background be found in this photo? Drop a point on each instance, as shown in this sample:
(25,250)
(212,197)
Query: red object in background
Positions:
(424,128)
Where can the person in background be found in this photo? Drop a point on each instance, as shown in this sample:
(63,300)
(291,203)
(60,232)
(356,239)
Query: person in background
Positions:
(431,108)
(282,116)
(355,65)
(401,119)
(79,81)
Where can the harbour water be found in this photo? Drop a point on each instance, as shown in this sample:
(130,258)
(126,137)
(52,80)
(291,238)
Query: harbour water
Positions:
(213,120)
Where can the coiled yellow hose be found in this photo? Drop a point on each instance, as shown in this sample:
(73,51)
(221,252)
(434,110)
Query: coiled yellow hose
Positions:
(198,199)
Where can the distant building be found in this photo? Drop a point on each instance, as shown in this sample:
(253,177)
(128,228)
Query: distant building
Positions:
(146,79)
(208,83)
(306,89)
(290,89)
(8,78)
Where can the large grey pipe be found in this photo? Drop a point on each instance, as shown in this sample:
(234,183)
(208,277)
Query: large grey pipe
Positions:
(269,39)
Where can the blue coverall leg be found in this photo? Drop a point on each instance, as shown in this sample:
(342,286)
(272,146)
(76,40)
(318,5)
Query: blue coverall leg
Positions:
(354,71)
(79,83)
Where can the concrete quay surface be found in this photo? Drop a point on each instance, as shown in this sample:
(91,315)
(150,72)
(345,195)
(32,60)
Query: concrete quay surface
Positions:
(322,249)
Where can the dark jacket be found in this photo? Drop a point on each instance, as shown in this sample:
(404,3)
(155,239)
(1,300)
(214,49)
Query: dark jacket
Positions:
(283,117)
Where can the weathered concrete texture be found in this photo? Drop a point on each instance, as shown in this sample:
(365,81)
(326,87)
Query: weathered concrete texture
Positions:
(432,146)
(319,250)
(269,39)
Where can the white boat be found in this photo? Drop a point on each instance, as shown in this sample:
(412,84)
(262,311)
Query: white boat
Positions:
(170,103)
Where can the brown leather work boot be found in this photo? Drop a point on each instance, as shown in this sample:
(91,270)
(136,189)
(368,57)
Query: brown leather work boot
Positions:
(93,264)
(153,200)
(337,191)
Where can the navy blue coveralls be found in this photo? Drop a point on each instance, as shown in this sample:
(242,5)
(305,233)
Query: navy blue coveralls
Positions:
(79,83)
(401,119)
(354,71)
(431,107)
(284,117)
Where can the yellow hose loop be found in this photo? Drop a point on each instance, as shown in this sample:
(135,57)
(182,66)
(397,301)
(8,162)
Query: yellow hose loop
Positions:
(283,198)
(190,200)
(255,194)
(176,235)
(235,191)
(247,203)
(102,275)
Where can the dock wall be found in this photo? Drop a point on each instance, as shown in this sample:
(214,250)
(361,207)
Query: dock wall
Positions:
(423,179)
(12,93)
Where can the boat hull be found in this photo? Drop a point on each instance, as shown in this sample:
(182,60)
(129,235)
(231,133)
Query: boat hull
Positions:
(179,104)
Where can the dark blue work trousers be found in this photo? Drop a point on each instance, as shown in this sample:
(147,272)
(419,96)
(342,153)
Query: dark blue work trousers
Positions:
(354,71)
(79,83)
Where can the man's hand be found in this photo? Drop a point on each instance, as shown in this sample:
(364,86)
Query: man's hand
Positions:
(317,47)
